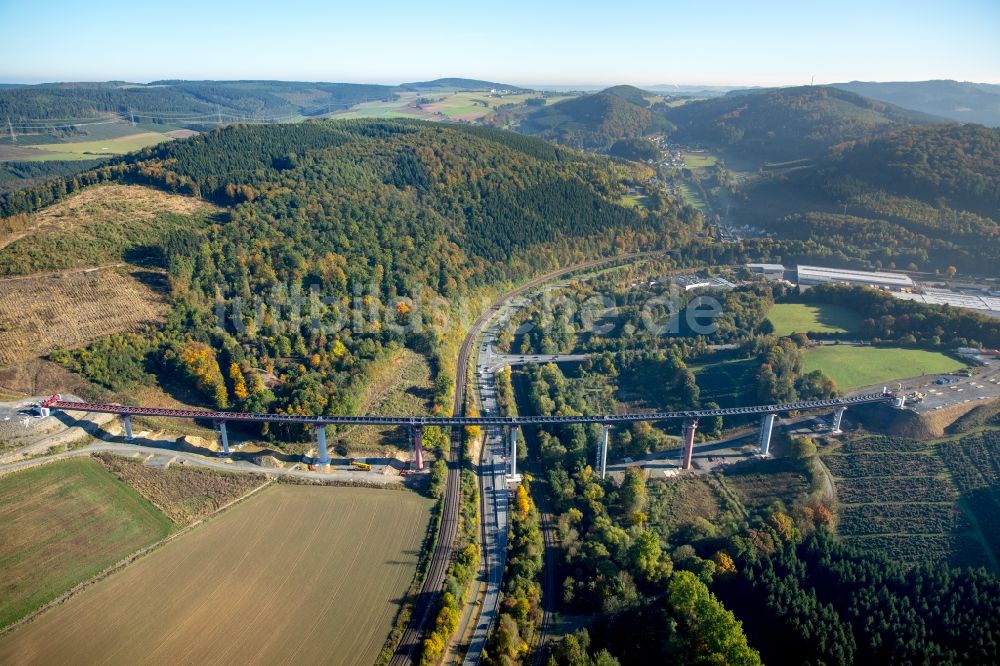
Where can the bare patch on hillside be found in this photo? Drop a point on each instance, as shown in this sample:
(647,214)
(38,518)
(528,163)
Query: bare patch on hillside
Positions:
(103,205)
(38,314)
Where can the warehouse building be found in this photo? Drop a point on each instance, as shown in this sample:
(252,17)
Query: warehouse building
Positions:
(813,275)
(767,271)
(984,302)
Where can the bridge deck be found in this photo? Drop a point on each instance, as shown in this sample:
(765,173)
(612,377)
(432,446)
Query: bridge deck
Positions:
(55,403)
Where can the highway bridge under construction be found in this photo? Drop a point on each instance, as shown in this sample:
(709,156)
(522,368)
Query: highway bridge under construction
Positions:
(415,424)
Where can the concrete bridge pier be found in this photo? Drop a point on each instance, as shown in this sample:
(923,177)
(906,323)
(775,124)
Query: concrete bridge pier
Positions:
(127,423)
(603,453)
(513,451)
(323,456)
(690,425)
(838,417)
(416,441)
(766,428)
(223,436)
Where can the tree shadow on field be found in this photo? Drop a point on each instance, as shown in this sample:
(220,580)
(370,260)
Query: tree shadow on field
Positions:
(146,255)
(422,393)
(154,280)
(836,317)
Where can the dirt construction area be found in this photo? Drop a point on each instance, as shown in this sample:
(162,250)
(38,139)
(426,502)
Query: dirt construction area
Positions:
(295,574)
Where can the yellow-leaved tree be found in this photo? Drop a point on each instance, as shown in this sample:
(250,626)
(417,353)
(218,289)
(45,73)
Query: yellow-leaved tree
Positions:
(201,365)
(239,382)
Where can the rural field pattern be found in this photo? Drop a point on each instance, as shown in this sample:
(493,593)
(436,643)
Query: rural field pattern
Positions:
(295,574)
(62,523)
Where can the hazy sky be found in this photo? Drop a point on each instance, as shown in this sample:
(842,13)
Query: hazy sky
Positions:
(537,42)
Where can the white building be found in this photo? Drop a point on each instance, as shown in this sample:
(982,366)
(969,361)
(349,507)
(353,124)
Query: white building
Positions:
(984,302)
(813,275)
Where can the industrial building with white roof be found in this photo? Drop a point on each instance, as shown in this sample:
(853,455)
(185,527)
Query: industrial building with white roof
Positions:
(813,275)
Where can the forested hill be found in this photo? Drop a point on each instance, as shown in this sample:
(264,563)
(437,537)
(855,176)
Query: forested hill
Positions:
(184,102)
(468,197)
(636,96)
(406,195)
(788,123)
(374,208)
(925,198)
(595,122)
(958,165)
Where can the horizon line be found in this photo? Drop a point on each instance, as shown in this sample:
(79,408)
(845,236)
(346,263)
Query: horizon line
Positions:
(571,85)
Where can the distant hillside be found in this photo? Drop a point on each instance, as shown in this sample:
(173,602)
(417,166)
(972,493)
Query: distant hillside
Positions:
(475,85)
(181,103)
(595,122)
(787,123)
(955,100)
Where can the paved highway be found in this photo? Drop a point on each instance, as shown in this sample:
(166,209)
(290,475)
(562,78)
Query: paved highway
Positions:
(493,487)
(492,468)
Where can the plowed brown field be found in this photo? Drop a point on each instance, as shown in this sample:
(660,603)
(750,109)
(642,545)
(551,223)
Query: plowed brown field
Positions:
(295,574)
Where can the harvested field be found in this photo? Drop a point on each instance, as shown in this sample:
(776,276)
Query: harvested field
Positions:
(184,494)
(63,523)
(760,482)
(72,309)
(677,502)
(10,153)
(81,150)
(296,574)
(181,133)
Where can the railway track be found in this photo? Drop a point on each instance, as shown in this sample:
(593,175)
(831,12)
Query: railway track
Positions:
(406,651)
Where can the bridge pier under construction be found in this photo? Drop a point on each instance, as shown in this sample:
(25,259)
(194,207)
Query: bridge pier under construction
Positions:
(223,436)
(417,444)
(323,455)
(766,429)
(690,425)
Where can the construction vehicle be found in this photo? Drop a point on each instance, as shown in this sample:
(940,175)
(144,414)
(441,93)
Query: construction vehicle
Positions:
(363,466)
